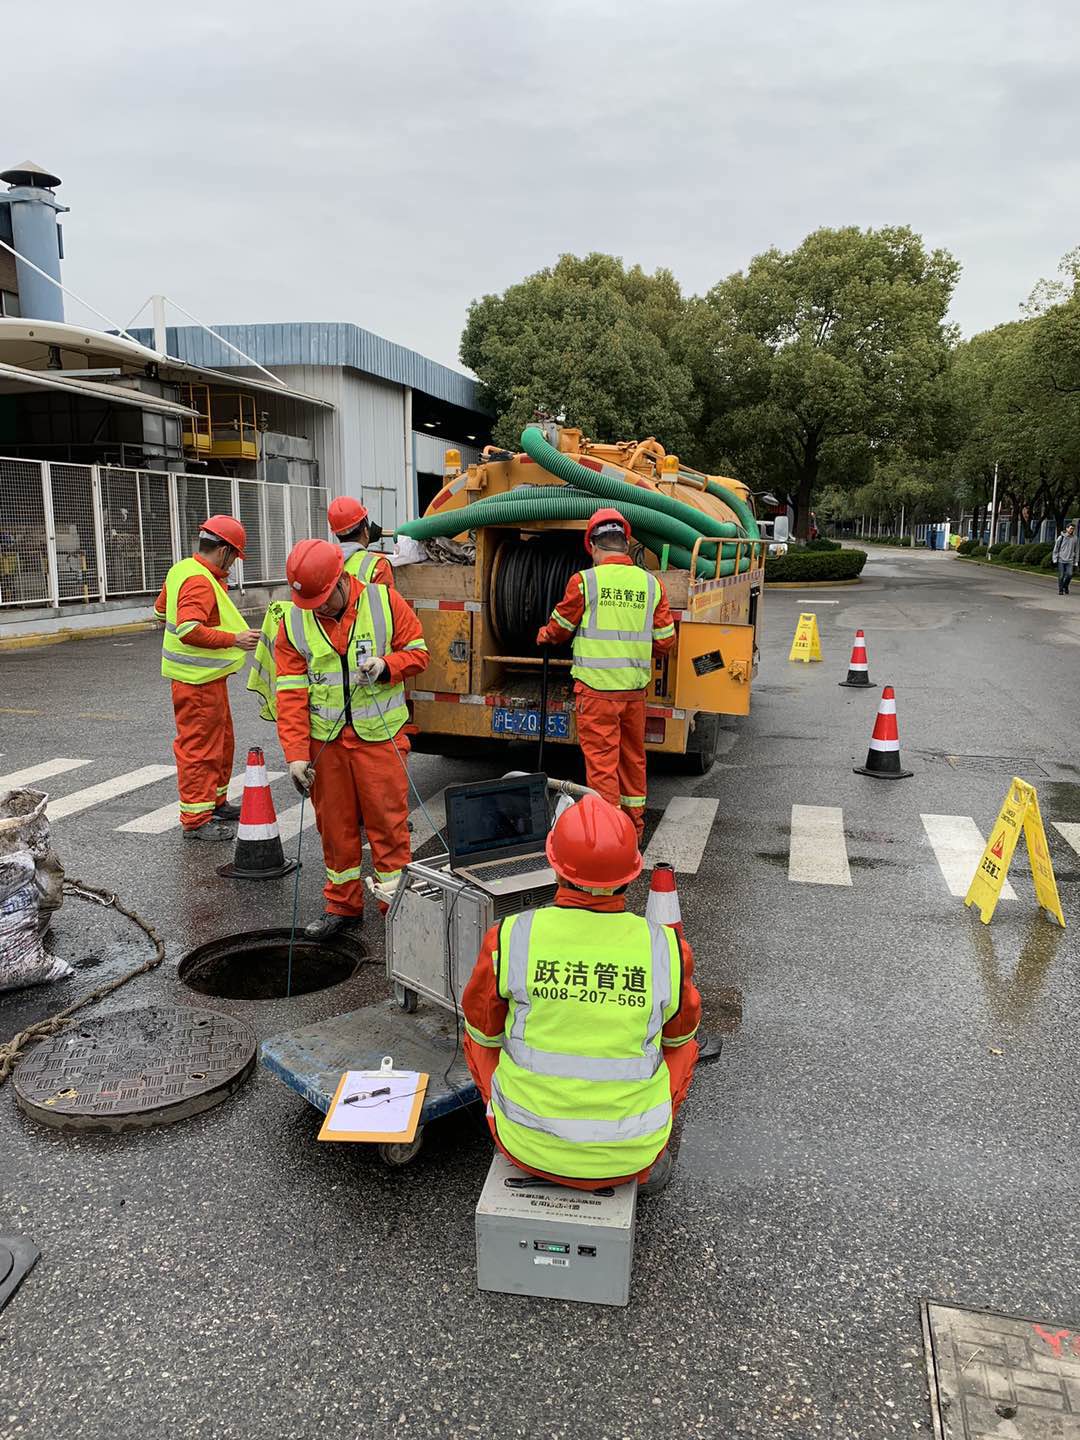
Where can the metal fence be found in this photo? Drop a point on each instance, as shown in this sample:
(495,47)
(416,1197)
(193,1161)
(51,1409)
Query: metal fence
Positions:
(80,534)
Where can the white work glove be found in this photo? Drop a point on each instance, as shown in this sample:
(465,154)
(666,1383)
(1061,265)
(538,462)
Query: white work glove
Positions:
(302,774)
(372,668)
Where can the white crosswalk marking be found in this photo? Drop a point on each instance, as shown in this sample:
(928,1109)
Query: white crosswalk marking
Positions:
(289,820)
(818,854)
(1069,832)
(958,845)
(156,822)
(15,778)
(681,837)
(107,790)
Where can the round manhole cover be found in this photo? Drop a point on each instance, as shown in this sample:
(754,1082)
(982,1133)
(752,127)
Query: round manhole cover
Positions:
(7,1263)
(135,1069)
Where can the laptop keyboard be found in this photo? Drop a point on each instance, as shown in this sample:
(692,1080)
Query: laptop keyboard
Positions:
(507,869)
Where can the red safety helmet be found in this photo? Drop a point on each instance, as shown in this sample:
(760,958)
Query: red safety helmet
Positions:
(593,845)
(227,530)
(313,569)
(606,518)
(345,514)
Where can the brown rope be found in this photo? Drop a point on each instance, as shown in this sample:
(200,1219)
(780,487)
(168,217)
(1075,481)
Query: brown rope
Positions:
(10,1052)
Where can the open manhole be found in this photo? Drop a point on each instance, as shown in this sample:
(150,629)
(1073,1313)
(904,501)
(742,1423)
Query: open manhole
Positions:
(254,965)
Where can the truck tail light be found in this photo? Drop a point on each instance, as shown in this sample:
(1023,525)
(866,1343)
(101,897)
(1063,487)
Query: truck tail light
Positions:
(655,731)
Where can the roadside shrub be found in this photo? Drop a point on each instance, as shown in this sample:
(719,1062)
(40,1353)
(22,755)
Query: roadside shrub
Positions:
(978,552)
(997,548)
(1007,554)
(806,564)
(822,544)
(1047,562)
(1039,551)
(965,547)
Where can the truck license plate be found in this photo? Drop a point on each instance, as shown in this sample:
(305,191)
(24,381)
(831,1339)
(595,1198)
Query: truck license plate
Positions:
(527,723)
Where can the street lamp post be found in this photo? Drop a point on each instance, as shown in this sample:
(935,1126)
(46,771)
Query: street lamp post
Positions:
(993,507)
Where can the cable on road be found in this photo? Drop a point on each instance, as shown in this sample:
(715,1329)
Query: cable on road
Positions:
(11,1051)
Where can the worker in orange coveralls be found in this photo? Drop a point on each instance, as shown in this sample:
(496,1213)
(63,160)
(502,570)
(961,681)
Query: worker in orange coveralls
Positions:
(618,616)
(584,1094)
(342,653)
(353,530)
(204,643)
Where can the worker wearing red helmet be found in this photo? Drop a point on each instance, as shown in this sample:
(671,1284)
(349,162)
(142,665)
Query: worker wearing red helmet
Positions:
(342,653)
(351,526)
(204,643)
(618,616)
(580,1018)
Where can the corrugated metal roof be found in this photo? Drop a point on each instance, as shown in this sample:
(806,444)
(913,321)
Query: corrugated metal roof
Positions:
(338,344)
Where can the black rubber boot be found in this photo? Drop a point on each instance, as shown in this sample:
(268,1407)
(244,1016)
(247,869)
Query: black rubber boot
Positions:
(659,1176)
(226,811)
(213,830)
(328,925)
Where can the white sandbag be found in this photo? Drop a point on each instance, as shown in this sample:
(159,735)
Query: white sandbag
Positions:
(31,888)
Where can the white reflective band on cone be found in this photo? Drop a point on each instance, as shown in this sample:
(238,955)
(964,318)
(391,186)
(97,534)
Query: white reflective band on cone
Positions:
(255,778)
(257,832)
(887,707)
(884,744)
(662,907)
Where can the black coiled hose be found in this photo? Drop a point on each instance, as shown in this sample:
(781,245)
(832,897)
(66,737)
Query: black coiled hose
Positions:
(529,580)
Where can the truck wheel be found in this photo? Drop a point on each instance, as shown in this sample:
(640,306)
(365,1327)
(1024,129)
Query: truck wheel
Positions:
(702,745)
(406,998)
(395,1155)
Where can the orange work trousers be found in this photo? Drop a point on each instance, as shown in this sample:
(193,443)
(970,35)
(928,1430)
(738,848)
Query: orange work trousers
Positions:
(611,733)
(203,748)
(360,785)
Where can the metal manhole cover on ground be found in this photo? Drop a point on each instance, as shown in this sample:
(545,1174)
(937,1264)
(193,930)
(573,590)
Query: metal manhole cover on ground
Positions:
(1020,765)
(135,1069)
(17,1258)
(1001,1375)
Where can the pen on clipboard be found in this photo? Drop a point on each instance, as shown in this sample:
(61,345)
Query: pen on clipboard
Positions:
(365,1095)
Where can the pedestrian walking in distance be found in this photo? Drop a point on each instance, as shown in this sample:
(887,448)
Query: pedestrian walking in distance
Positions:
(204,643)
(1065,552)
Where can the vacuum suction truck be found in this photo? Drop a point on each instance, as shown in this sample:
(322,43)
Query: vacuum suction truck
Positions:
(504,536)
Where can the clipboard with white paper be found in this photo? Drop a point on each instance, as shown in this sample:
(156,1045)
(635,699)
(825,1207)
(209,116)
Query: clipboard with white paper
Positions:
(376,1106)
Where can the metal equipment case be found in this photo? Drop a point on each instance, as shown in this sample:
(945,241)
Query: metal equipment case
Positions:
(434,928)
(535,1238)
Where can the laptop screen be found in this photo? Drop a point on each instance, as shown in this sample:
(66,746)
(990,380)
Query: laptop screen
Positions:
(496,817)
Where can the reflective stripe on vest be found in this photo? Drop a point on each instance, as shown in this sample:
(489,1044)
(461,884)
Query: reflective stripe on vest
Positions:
(378,711)
(581,1089)
(360,562)
(196,664)
(613,643)
(262,676)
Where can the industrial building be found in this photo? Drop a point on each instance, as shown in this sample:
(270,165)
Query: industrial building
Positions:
(114,444)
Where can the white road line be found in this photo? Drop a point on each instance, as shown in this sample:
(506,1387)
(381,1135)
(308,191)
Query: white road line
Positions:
(1069,832)
(818,854)
(107,790)
(289,820)
(958,845)
(32,773)
(156,822)
(683,833)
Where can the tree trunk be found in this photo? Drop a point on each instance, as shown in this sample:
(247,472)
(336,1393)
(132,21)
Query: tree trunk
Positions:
(807,480)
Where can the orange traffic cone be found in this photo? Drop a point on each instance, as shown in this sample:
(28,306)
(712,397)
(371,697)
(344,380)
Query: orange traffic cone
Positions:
(258,854)
(858,675)
(883,757)
(662,907)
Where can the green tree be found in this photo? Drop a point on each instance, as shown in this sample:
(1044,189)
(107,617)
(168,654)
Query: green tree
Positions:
(588,341)
(818,361)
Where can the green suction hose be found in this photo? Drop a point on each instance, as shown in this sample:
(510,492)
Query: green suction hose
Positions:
(654,528)
(736,505)
(564,467)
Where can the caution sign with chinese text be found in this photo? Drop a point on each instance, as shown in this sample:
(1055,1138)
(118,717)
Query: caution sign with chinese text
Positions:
(807,643)
(1019,812)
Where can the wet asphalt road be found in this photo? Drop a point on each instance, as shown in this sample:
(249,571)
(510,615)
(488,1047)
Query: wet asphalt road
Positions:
(859,1146)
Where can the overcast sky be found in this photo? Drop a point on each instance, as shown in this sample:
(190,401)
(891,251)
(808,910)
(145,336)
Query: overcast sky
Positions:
(385,163)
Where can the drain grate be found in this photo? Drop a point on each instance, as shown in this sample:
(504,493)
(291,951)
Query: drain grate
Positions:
(1021,765)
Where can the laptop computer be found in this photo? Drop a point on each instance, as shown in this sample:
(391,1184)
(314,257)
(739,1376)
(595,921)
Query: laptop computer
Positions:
(496,831)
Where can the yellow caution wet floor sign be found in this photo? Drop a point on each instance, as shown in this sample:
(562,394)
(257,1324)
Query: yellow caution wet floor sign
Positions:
(1019,812)
(807,643)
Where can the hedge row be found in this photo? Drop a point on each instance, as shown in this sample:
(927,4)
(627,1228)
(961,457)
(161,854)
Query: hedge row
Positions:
(806,564)
(1036,553)
(822,544)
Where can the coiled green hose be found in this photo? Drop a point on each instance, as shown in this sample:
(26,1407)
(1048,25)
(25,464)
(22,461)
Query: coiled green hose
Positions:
(565,467)
(736,505)
(513,508)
